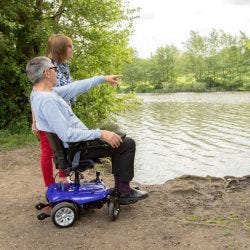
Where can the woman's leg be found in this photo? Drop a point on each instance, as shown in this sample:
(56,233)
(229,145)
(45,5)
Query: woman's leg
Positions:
(62,173)
(46,160)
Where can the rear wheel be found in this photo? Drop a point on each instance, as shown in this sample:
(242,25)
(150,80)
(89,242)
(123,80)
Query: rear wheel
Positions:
(64,214)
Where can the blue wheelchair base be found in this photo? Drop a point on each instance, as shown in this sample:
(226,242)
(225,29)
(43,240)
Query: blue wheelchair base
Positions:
(66,201)
(79,194)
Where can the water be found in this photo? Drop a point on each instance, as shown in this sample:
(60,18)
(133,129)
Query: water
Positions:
(190,133)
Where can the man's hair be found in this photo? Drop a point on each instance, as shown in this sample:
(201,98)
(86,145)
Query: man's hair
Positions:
(36,67)
(57,47)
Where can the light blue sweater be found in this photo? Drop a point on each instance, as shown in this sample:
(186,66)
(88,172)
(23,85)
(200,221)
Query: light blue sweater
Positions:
(53,114)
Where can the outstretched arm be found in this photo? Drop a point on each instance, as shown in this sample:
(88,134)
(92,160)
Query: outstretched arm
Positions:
(73,89)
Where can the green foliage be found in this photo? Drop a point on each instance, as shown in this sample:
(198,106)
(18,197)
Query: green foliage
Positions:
(134,72)
(96,106)
(218,61)
(162,70)
(100,32)
(10,140)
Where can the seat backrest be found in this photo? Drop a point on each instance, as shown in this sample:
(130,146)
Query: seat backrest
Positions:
(59,150)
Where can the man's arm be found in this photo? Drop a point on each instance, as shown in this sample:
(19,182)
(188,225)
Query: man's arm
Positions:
(73,89)
(59,123)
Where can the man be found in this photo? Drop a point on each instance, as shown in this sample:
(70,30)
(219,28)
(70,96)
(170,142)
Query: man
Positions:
(53,114)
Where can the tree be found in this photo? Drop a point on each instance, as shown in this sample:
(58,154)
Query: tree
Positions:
(164,65)
(99,29)
(135,71)
(196,51)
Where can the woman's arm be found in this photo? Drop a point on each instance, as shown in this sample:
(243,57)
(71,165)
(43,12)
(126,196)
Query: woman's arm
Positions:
(34,129)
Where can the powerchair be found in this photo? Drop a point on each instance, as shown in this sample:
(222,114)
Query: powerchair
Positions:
(65,201)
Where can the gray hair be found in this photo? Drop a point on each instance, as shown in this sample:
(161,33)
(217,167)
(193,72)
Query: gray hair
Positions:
(36,66)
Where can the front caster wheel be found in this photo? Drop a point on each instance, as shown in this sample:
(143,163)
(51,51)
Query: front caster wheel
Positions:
(113,209)
(64,214)
(40,206)
(42,216)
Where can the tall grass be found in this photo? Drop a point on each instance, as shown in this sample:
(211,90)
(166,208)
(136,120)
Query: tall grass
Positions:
(10,140)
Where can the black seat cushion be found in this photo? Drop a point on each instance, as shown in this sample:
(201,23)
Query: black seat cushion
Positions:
(64,157)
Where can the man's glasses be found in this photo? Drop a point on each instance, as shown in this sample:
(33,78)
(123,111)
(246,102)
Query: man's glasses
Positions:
(54,68)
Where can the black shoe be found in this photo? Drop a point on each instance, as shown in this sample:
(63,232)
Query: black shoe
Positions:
(133,196)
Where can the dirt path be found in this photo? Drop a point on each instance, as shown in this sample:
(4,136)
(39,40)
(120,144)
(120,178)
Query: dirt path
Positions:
(185,213)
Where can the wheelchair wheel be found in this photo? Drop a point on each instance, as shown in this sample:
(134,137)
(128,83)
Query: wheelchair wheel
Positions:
(113,209)
(64,214)
(40,206)
(78,210)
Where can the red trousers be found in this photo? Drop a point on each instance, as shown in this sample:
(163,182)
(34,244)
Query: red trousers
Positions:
(47,161)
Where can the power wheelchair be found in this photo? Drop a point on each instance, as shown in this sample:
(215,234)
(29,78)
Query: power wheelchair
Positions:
(67,200)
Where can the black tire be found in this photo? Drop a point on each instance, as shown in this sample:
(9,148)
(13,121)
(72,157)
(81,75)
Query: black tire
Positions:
(113,209)
(64,214)
(78,210)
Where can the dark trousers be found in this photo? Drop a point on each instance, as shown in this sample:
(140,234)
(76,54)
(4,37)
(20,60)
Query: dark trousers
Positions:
(122,157)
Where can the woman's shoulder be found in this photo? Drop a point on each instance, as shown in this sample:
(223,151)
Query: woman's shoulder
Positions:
(61,65)
(63,74)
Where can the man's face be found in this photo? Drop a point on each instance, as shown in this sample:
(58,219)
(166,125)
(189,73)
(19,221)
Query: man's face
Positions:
(50,74)
(53,71)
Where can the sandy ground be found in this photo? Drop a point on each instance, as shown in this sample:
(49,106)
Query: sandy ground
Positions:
(189,212)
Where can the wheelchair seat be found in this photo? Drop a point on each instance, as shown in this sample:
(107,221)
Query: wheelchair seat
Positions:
(68,158)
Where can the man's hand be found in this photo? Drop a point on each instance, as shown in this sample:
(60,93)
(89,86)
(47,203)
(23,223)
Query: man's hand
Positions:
(112,79)
(111,138)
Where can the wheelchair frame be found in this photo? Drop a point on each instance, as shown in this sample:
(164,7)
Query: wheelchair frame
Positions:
(66,201)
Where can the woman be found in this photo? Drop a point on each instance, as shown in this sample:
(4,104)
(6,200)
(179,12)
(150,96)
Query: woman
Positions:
(60,51)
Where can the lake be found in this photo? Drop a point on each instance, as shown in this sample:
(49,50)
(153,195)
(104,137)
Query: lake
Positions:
(190,133)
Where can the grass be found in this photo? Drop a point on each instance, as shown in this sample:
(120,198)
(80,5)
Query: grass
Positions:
(248,222)
(228,233)
(104,167)
(186,83)
(218,220)
(10,140)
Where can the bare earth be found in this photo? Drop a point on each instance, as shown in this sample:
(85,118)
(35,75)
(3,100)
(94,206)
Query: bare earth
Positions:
(189,212)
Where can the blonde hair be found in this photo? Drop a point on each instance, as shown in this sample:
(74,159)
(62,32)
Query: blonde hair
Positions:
(57,47)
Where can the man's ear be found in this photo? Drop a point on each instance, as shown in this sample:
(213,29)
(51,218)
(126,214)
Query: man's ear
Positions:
(47,73)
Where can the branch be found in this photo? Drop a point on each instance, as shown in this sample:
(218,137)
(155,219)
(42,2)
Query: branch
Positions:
(57,15)
(54,17)
(39,4)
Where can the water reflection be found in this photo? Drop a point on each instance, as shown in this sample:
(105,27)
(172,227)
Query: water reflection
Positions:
(201,134)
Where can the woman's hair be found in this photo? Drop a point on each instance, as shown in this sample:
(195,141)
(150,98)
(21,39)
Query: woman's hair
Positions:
(57,47)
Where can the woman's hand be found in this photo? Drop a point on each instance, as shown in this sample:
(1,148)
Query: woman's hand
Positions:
(34,129)
(113,79)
